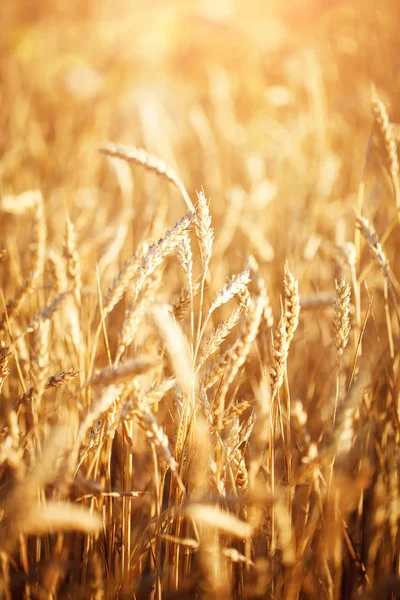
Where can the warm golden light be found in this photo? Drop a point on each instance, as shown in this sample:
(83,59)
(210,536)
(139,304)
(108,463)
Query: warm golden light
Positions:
(200,299)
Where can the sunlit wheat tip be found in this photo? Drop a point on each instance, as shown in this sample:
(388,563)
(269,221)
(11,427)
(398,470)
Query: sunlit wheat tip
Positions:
(373,243)
(280,349)
(341,320)
(234,286)
(139,156)
(383,131)
(291,303)
(204,230)
(72,259)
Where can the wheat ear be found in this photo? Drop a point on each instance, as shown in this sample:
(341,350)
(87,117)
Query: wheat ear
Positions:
(134,313)
(280,350)
(205,237)
(37,261)
(244,345)
(341,320)
(375,247)
(185,259)
(373,243)
(158,251)
(123,279)
(234,287)
(383,131)
(4,356)
(72,259)
(138,156)
(291,303)
(341,323)
(217,335)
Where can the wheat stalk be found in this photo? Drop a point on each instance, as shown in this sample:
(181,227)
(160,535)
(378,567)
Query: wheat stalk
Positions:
(73,263)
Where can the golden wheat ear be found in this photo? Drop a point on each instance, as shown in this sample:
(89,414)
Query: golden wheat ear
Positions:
(138,156)
(386,142)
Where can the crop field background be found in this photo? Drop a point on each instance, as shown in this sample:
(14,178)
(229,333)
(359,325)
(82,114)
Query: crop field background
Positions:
(200,299)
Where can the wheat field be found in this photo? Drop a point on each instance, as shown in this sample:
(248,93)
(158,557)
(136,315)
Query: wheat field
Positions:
(200,300)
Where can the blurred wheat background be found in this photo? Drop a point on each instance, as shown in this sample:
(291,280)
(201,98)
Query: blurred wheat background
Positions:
(200,306)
